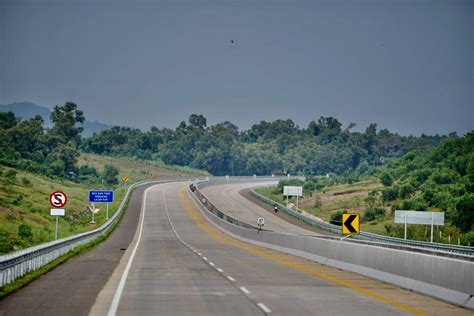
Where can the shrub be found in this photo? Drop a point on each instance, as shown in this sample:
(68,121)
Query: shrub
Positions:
(374,213)
(390,194)
(308,187)
(419,204)
(17,200)
(386,179)
(336,218)
(25,182)
(24,230)
(6,245)
(468,238)
(10,175)
(464,216)
(317,202)
(406,190)
(110,175)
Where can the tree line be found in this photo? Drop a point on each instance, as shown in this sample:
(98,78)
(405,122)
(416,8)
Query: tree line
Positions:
(266,148)
(324,146)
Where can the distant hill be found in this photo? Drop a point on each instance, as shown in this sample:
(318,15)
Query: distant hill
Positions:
(26,110)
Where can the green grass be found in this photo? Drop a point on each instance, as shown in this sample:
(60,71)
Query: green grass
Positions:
(350,197)
(27,202)
(33,275)
(354,198)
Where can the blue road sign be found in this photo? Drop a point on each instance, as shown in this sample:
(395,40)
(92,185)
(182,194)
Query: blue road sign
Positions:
(99,196)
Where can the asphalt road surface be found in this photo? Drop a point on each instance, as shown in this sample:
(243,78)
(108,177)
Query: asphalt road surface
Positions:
(180,264)
(226,197)
(183,265)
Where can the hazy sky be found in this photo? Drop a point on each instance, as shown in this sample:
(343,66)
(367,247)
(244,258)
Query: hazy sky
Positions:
(406,65)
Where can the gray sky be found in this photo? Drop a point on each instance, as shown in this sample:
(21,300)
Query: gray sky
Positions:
(405,65)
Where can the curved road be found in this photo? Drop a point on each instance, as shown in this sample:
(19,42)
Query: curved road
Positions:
(227,198)
(180,264)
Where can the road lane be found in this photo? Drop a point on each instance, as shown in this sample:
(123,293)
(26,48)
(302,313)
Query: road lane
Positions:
(167,278)
(184,265)
(72,287)
(226,197)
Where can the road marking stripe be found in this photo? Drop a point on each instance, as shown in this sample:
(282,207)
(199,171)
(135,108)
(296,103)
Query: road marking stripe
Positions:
(244,290)
(264,308)
(118,293)
(212,231)
(220,270)
(204,258)
(211,263)
(231,278)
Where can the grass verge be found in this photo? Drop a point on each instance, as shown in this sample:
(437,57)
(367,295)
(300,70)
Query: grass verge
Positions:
(33,275)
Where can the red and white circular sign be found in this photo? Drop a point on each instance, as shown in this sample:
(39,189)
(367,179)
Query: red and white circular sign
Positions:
(58,199)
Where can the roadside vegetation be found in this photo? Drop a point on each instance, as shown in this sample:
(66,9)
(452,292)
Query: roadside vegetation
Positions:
(34,162)
(346,170)
(440,180)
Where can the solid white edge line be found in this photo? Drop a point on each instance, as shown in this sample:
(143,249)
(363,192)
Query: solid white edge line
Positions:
(118,293)
(243,289)
(264,308)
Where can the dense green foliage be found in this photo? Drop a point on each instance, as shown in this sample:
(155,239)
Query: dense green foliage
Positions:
(27,145)
(266,148)
(439,180)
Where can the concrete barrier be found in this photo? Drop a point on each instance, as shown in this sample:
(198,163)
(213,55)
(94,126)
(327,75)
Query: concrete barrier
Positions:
(444,278)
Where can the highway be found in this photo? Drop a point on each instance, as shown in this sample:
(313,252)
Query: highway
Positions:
(180,264)
(227,198)
(183,265)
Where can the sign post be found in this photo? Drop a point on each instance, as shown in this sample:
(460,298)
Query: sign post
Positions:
(260,222)
(292,191)
(101,196)
(421,218)
(57,212)
(57,199)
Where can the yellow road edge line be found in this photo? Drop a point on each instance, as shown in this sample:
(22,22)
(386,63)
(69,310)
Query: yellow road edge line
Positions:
(212,231)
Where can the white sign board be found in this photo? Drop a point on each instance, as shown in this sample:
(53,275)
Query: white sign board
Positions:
(292,191)
(58,212)
(260,221)
(422,218)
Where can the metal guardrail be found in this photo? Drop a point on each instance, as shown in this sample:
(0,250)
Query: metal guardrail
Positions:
(464,250)
(19,263)
(213,209)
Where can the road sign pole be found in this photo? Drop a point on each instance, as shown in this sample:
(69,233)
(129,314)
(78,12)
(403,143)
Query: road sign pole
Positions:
(297,203)
(107,212)
(432,222)
(57,220)
(405,225)
(287,201)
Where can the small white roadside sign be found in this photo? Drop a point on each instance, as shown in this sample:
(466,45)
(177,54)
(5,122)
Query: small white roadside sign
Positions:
(58,212)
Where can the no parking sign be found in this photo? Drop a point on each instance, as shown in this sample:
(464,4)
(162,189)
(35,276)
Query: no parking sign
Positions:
(58,199)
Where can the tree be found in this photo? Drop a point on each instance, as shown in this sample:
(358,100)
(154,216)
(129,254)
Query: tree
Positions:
(110,175)
(464,216)
(65,119)
(197,121)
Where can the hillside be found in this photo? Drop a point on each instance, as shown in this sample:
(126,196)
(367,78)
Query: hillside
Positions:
(27,110)
(24,200)
(441,180)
